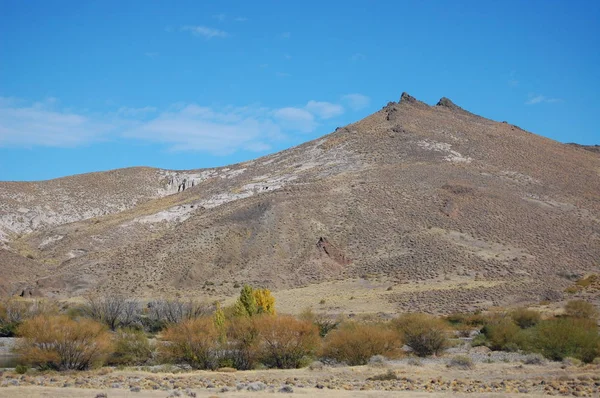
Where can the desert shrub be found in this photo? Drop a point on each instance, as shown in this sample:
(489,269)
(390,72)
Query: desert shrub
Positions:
(60,343)
(559,338)
(467,319)
(164,312)
(387,376)
(424,334)
(112,310)
(502,334)
(286,342)
(131,347)
(243,343)
(193,341)
(534,359)
(525,318)
(355,343)
(21,369)
(580,309)
(377,361)
(325,323)
(461,362)
(12,313)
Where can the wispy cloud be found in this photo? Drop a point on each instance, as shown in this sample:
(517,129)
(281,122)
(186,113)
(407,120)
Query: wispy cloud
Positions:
(220,17)
(152,55)
(325,110)
(204,31)
(41,124)
(356,101)
(136,112)
(295,118)
(357,57)
(181,126)
(240,19)
(512,79)
(282,74)
(539,99)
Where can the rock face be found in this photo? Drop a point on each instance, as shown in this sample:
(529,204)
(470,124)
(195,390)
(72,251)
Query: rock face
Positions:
(413,193)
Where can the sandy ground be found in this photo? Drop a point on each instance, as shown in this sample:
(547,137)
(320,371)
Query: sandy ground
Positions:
(49,392)
(498,379)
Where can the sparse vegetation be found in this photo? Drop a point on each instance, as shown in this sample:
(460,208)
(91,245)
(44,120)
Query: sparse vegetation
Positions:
(580,309)
(131,347)
(461,362)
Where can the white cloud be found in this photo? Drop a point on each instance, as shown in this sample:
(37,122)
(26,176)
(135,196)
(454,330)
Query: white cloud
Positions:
(135,112)
(204,31)
(181,126)
(356,101)
(295,119)
(538,99)
(324,110)
(40,124)
(206,129)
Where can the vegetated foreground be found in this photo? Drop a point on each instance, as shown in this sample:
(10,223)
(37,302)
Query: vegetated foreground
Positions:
(416,207)
(175,348)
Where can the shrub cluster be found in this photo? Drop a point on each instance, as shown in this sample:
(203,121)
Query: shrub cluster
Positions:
(424,334)
(355,343)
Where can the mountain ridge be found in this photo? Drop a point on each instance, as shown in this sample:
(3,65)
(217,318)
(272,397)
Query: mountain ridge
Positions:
(410,195)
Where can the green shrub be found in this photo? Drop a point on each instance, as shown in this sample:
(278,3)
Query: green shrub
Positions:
(560,338)
(424,334)
(502,334)
(21,369)
(355,343)
(131,347)
(525,318)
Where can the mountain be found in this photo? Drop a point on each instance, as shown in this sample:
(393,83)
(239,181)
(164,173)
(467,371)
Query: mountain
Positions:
(415,207)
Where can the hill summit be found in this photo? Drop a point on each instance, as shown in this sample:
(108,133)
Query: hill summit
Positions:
(415,207)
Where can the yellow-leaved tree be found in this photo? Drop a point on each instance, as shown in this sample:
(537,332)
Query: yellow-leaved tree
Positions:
(265,302)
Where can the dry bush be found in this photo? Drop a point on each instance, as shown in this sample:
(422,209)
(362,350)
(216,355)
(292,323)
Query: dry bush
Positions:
(165,312)
(194,342)
(58,342)
(461,362)
(424,334)
(324,322)
(560,338)
(114,311)
(525,318)
(131,347)
(502,334)
(286,342)
(580,309)
(243,343)
(355,343)
(466,319)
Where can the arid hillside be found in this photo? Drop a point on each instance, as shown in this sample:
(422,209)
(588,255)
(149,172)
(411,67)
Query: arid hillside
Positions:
(414,207)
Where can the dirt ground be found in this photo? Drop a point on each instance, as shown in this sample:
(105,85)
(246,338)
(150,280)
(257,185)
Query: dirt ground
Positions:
(427,380)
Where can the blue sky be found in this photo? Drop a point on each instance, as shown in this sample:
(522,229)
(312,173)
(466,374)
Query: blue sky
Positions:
(87,86)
